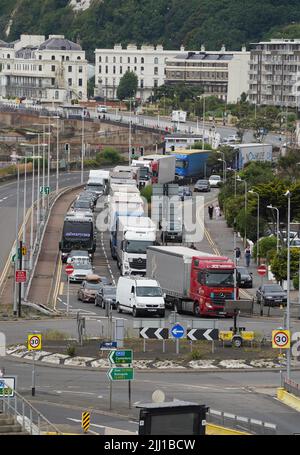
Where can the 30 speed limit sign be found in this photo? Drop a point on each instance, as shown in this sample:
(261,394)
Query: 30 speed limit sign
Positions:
(34,342)
(281,339)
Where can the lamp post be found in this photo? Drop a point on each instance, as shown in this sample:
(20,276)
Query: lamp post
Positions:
(277,225)
(246,206)
(203,123)
(129,138)
(224,168)
(257,242)
(235,174)
(287,320)
(82,147)
(15,307)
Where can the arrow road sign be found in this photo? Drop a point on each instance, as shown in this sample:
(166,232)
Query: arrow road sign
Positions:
(154,333)
(119,357)
(177,331)
(203,334)
(121,374)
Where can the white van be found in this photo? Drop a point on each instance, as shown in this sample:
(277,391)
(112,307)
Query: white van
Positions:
(138,295)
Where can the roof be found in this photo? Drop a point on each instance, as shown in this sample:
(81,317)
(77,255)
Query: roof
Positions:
(255,144)
(171,404)
(182,251)
(137,222)
(204,56)
(183,136)
(189,152)
(58,43)
(143,281)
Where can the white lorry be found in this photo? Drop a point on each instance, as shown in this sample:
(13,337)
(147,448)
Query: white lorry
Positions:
(132,238)
(139,296)
(179,116)
(97,181)
(162,168)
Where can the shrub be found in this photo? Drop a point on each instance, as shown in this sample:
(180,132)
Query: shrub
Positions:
(71,350)
(146,192)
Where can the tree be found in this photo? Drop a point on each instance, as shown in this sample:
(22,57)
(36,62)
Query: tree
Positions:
(90,87)
(267,247)
(279,264)
(128,86)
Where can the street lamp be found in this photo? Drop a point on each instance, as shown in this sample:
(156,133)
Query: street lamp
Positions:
(246,204)
(224,168)
(257,242)
(235,174)
(277,228)
(15,306)
(82,148)
(287,321)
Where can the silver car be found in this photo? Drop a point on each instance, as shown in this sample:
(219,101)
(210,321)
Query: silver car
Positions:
(81,271)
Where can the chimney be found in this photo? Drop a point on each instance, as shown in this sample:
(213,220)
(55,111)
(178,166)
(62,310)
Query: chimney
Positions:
(202,48)
(182,49)
(223,48)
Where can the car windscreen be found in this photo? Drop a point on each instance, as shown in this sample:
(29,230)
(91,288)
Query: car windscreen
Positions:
(137,246)
(82,204)
(81,266)
(109,292)
(274,288)
(221,278)
(93,286)
(148,291)
(202,182)
(242,271)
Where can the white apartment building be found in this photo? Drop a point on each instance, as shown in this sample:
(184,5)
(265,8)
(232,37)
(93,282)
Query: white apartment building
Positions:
(223,74)
(49,71)
(274,75)
(147,62)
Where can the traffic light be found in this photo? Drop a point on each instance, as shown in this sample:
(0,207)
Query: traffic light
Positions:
(142,151)
(132,151)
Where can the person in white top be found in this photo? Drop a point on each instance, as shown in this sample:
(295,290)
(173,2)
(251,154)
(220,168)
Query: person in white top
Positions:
(218,212)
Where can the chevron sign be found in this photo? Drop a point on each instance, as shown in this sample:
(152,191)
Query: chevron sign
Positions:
(154,333)
(203,334)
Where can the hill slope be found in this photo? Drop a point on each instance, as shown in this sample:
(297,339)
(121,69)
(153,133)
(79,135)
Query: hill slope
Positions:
(170,22)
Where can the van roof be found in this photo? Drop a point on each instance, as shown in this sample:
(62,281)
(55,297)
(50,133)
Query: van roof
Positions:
(140,280)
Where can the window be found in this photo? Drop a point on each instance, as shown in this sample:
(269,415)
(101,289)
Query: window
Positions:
(80,82)
(106,59)
(56,94)
(70,69)
(8,56)
(135,68)
(121,70)
(128,60)
(53,68)
(156,71)
(142,69)
(114,70)
(69,82)
(100,68)
(156,83)
(142,60)
(67,58)
(52,57)
(114,60)
(156,61)
(52,80)
(62,58)
(8,66)
(100,59)
(106,69)
(78,58)
(40,67)
(142,83)
(135,60)
(121,60)
(40,57)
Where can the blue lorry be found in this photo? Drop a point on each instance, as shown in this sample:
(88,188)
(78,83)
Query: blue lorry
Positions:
(190,164)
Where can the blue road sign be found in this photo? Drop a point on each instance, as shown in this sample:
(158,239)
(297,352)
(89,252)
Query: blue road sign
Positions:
(177,331)
(108,345)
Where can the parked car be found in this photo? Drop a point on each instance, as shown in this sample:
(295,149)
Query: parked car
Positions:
(244,278)
(106,296)
(202,185)
(88,290)
(102,108)
(81,271)
(295,243)
(215,180)
(184,192)
(271,295)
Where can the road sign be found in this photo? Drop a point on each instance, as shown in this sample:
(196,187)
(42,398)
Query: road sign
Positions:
(34,342)
(24,250)
(281,339)
(119,357)
(121,374)
(177,331)
(108,345)
(21,276)
(85,421)
(69,269)
(262,270)
(44,189)
(7,386)
(154,333)
(203,334)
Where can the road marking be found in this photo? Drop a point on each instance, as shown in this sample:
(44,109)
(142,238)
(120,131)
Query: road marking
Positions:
(77,393)
(58,280)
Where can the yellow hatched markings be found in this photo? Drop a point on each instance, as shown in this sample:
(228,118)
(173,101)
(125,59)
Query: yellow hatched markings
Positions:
(85,421)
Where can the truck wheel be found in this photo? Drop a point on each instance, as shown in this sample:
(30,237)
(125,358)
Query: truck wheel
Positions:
(118,308)
(134,312)
(197,311)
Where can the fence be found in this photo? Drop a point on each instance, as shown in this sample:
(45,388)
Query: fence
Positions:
(246,424)
(292,387)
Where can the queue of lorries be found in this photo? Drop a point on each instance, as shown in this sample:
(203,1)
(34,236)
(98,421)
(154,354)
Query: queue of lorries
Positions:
(153,276)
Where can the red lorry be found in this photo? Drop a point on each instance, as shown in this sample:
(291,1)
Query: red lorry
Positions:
(193,281)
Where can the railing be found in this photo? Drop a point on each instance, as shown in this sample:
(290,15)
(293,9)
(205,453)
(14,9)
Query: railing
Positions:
(292,387)
(31,420)
(246,424)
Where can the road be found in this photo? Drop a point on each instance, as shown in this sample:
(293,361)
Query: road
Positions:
(63,393)
(8,204)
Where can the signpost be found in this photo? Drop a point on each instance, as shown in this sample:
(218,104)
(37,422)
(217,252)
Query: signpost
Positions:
(21,276)
(154,333)
(177,332)
(262,271)
(281,339)
(34,343)
(120,357)
(45,190)
(69,269)
(203,334)
(108,345)
(7,386)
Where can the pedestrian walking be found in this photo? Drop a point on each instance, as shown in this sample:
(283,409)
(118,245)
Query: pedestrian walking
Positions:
(210,211)
(193,246)
(237,254)
(247,256)
(218,212)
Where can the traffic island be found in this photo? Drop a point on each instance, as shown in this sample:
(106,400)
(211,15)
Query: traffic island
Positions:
(288,398)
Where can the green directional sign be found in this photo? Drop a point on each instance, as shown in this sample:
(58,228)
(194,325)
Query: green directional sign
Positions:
(121,374)
(44,189)
(120,357)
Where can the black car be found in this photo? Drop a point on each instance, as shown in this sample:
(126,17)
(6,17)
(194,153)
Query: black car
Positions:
(202,185)
(271,295)
(106,296)
(244,278)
